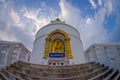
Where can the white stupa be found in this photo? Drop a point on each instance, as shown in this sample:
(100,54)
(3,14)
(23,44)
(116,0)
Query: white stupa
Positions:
(57,44)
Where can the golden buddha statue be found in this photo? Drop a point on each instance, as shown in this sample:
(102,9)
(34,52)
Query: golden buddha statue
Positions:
(58,46)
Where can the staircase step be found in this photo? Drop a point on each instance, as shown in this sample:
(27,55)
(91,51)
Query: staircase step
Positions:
(10,75)
(28,65)
(112,75)
(28,71)
(26,76)
(62,73)
(117,76)
(3,77)
(102,75)
(54,68)
(95,73)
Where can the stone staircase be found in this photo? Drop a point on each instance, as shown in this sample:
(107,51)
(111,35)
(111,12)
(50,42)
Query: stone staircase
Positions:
(88,71)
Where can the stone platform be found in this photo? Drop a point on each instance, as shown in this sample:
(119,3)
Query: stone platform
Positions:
(87,71)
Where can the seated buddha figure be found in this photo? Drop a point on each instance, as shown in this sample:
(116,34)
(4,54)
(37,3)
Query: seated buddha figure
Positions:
(57,46)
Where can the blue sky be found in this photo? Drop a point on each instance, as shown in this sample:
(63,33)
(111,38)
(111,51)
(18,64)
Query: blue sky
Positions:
(96,20)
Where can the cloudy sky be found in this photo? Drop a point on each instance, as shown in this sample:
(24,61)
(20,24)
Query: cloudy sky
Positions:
(98,21)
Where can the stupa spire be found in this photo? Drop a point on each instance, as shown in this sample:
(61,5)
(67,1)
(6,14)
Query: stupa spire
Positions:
(58,20)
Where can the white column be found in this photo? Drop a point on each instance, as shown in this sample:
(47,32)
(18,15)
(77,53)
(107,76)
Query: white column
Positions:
(18,53)
(94,51)
(107,58)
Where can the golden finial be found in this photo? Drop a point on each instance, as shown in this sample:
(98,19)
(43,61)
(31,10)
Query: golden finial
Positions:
(58,20)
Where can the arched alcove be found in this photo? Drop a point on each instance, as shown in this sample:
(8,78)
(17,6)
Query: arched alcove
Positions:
(58,46)
(67,43)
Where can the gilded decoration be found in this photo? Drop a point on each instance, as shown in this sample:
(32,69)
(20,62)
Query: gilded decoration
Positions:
(67,47)
(58,20)
(58,46)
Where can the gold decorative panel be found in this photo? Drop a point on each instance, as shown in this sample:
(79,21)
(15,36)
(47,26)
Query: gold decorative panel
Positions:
(64,46)
(58,46)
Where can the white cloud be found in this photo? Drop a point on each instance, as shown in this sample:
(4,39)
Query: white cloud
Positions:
(115,34)
(108,6)
(37,19)
(88,21)
(92,32)
(91,28)
(69,13)
(100,2)
(7,36)
(22,25)
(93,4)
(2,0)
(64,11)
(16,19)
(11,26)
(15,16)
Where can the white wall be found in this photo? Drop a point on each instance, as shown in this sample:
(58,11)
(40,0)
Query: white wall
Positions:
(11,52)
(77,50)
(38,50)
(51,27)
(39,43)
(108,55)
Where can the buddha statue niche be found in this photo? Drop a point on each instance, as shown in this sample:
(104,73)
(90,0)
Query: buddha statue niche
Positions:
(58,46)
